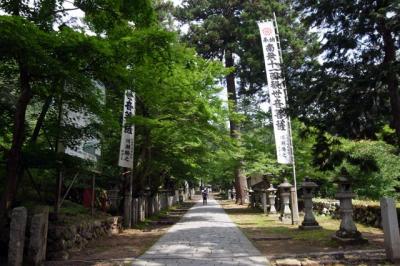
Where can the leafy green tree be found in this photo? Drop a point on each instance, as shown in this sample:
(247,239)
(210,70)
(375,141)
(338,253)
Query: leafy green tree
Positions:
(54,68)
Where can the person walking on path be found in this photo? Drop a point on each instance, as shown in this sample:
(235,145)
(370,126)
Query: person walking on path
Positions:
(205,196)
(204,236)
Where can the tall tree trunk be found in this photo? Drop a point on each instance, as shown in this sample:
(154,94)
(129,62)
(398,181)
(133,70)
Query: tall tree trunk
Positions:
(14,159)
(391,75)
(240,178)
(39,122)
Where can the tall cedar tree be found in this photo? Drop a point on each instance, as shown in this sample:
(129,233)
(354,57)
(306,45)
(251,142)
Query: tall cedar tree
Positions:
(354,92)
(227,30)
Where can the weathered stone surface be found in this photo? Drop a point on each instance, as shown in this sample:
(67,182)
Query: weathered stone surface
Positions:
(309,222)
(141,209)
(308,262)
(264,201)
(127,210)
(81,234)
(17,236)
(390,229)
(38,237)
(347,233)
(68,233)
(135,211)
(176,196)
(288,262)
(170,201)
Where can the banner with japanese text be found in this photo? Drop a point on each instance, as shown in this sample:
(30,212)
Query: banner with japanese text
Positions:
(128,132)
(277,91)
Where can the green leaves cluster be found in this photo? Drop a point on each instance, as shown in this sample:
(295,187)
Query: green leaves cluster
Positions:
(180,121)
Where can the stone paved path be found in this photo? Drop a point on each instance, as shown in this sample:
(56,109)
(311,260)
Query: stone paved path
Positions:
(204,236)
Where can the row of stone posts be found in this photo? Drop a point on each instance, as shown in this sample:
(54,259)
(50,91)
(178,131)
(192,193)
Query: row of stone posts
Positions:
(148,205)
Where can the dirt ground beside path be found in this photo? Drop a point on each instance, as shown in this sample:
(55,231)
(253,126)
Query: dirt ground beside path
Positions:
(276,240)
(121,249)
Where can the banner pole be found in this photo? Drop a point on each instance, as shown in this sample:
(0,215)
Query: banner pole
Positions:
(126,154)
(295,206)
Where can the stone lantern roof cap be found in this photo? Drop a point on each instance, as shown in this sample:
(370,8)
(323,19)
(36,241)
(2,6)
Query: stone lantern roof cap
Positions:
(343,180)
(271,188)
(308,183)
(285,184)
(268,176)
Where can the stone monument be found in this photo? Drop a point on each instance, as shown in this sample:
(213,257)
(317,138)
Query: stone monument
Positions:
(264,200)
(17,236)
(347,233)
(309,222)
(286,214)
(38,237)
(390,226)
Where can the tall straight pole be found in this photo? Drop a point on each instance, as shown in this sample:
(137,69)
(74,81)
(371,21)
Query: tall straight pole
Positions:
(128,198)
(93,194)
(295,206)
(59,148)
(126,154)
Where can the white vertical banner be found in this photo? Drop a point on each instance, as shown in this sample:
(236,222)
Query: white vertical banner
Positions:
(277,91)
(128,132)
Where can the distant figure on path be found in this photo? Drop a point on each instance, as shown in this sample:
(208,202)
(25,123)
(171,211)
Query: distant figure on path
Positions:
(205,195)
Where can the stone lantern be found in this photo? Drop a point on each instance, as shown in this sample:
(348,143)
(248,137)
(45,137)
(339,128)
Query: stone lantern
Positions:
(271,197)
(309,222)
(286,214)
(252,196)
(347,233)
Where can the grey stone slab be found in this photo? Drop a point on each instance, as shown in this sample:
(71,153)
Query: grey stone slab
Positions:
(38,237)
(204,236)
(390,226)
(17,236)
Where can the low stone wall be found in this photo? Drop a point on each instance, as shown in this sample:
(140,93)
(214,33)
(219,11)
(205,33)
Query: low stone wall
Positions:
(363,213)
(62,238)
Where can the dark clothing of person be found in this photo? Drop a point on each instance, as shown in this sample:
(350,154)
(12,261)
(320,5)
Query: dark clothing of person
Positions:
(205,195)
